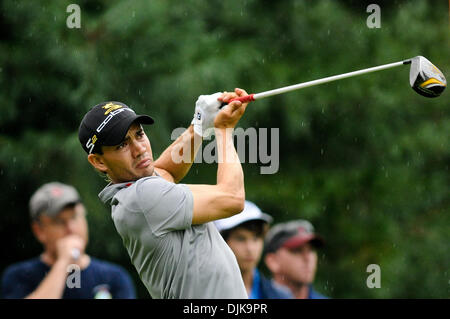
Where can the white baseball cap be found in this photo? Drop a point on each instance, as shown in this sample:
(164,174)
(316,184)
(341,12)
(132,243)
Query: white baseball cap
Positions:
(250,212)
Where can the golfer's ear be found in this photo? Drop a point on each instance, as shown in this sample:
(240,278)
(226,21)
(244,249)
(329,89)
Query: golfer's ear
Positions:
(97,162)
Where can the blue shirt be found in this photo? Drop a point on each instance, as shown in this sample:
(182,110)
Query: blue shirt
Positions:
(314,294)
(256,291)
(263,288)
(100,279)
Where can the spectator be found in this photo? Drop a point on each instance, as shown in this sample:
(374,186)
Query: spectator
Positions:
(59,224)
(244,233)
(292,258)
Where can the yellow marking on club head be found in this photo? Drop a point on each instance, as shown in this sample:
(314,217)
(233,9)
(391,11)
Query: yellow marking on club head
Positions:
(431,81)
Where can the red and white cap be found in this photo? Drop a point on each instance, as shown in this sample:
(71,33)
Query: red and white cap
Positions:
(291,235)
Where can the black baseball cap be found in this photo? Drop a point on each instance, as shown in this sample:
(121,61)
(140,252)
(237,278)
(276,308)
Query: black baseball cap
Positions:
(106,124)
(291,235)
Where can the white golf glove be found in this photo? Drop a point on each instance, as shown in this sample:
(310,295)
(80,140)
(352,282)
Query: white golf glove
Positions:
(206,109)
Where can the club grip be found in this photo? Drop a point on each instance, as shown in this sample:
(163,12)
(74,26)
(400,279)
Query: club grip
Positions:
(243,99)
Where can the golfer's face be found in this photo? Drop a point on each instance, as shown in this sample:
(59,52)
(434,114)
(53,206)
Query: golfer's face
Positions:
(130,160)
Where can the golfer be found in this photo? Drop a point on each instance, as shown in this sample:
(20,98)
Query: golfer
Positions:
(165,226)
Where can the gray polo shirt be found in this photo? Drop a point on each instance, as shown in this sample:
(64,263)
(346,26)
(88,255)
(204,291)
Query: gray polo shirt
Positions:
(174,258)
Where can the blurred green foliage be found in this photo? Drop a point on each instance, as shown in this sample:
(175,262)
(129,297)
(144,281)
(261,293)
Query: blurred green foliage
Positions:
(365,159)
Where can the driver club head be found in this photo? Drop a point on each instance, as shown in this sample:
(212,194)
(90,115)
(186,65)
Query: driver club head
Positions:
(425,78)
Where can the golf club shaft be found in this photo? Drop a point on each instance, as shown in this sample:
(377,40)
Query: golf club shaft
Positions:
(258,96)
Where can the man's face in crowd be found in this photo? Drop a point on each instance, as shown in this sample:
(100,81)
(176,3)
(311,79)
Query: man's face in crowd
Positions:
(70,221)
(130,160)
(297,265)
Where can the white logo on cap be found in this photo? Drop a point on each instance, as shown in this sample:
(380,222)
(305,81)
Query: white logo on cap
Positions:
(108,118)
(90,144)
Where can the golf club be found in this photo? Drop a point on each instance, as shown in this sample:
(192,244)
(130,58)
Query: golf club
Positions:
(425,78)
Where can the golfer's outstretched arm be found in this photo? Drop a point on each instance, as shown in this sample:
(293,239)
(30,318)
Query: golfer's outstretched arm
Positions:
(226,198)
(176,161)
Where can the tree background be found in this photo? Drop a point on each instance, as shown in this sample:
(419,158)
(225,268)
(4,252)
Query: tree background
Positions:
(366,159)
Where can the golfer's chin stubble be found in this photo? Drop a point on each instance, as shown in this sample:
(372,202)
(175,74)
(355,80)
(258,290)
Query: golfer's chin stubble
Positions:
(149,171)
(131,174)
(144,172)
